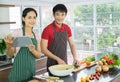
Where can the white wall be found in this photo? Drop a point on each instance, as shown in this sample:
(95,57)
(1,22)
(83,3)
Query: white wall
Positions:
(4,17)
(4,12)
(53,2)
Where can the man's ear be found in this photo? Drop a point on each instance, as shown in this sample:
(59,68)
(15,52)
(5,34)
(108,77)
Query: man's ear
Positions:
(54,14)
(65,14)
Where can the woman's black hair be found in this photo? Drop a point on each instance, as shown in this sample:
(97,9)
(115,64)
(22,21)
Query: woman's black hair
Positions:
(25,11)
(59,7)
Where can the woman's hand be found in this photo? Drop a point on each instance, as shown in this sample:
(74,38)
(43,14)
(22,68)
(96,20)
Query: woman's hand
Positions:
(9,39)
(31,47)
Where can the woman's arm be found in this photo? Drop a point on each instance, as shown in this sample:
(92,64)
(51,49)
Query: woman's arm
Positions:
(36,53)
(10,49)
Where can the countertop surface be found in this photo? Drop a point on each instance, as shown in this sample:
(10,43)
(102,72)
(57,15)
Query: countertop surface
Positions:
(111,76)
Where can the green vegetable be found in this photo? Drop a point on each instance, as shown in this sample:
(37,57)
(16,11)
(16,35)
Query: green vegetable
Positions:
(117,62)
(90,59)
(76,66)
(2,46)
(114,56)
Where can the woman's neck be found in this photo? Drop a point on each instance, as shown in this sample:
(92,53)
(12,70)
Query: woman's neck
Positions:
(28,32)
(28,29)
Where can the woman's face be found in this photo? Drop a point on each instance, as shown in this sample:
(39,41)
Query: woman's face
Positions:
(30,19)
(59,17)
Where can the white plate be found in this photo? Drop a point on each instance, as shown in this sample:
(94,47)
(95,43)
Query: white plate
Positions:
(61,70)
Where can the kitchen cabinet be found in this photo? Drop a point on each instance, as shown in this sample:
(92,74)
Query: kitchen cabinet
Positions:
(4,72)
(7,22)
(40,68)
(6,5)
(41,65)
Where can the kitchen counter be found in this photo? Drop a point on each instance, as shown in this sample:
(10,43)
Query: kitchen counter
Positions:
(112,75)
(5,68)
(109,76)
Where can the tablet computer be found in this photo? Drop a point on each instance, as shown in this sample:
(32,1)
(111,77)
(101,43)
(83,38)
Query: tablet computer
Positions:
(23,41)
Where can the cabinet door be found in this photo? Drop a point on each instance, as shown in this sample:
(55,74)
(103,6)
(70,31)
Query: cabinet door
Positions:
(4,75)
(41,65)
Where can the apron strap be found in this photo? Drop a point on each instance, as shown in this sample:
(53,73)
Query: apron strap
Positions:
(23,28)
(55,29)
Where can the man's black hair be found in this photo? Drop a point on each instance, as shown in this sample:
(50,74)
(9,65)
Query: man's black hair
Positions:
(59,7)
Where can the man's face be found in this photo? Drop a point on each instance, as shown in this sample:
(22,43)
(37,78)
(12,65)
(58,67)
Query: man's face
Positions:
(59,17)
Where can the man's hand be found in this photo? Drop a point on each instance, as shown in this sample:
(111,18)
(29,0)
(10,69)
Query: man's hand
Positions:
(60,61)
(76,62)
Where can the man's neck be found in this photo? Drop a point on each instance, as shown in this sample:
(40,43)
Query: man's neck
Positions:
(58,24)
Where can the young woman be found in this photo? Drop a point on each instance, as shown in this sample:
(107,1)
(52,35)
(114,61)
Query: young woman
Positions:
(55,37)
(24,61)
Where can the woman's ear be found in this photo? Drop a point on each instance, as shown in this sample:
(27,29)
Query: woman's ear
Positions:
(23,18)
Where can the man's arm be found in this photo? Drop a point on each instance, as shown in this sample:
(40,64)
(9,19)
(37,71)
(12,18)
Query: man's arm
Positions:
(73,49)
(44,49)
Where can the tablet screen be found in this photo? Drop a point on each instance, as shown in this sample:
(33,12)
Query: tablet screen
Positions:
(23,41)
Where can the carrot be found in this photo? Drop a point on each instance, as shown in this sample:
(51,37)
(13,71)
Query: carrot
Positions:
(97,77)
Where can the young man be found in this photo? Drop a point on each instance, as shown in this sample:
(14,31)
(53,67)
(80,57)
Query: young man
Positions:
(55,37)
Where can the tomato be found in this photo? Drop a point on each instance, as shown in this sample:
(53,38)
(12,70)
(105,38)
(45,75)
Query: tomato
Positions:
(88,63)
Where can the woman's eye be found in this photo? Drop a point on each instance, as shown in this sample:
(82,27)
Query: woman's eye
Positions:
(29,17)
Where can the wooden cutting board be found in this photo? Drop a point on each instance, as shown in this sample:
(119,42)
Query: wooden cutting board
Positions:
(38,78)
(34,80)
(83,66)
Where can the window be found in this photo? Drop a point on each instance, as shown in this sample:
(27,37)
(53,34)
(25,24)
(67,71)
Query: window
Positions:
(46,15)
(108,14)
(15,16)
(83,15)
(108,22)
(83,30)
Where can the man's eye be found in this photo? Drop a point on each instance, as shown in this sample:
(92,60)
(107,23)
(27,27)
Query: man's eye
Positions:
(29,17)
(34,17)
(63,14)
(57,14)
